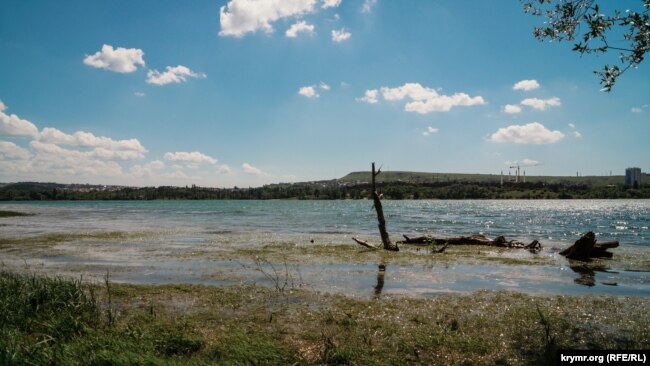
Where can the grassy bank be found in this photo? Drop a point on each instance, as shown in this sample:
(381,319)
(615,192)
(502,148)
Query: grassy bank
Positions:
(53,320)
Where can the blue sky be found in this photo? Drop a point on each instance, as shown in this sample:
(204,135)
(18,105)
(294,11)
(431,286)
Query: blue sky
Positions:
(248,92)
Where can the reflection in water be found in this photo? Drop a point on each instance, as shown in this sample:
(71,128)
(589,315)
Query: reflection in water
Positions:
(588,274)
(380,280)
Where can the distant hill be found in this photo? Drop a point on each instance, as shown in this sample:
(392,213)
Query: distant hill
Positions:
(422,177)
(356,185)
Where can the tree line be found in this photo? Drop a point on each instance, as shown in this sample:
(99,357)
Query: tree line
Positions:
(327,190)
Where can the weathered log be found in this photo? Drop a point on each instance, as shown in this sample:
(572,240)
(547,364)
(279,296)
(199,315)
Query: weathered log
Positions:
(364,243)
(586,248)
(477,239)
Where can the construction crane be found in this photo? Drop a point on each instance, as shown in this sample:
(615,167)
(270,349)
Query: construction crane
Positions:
(517,170)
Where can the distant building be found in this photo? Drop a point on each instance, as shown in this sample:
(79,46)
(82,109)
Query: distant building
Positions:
(633,176)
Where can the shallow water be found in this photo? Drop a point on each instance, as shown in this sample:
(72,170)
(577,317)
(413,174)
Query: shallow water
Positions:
(187,240)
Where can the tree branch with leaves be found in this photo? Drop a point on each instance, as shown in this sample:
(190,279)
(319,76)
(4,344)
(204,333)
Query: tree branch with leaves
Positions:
(582,21)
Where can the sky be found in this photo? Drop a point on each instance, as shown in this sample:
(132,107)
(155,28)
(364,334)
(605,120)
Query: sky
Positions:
(250,92)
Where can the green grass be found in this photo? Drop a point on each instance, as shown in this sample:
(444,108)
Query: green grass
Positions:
(14,214)
(59,321)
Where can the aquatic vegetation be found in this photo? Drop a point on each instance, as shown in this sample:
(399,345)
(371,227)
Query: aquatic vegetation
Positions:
(54,238)
(14,213)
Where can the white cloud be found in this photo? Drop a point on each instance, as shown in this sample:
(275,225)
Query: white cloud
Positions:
(340,35)
(239,17)
(430,130)
(330,4)
(12,125)
(526,85)
(308,91)
(324,86)
(572,125)
(249,169)
(531,133)
(299,27)
(577,134)
(426,100)
(541,104)
(512,109)
(368,5)
(104,147)
(192,158)
(529,162)
(54,160)
(122,60)
(176,74)
(86,156)
(224,169)
(370,96)
(139,94)
(11,151)
(147,170)
(524,163)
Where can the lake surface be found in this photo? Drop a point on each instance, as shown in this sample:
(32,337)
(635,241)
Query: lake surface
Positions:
(184,228)
(555,220)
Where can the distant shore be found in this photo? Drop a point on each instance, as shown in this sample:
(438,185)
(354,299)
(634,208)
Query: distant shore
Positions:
(337,189)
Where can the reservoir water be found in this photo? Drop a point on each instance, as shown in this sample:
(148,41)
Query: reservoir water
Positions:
(192,242)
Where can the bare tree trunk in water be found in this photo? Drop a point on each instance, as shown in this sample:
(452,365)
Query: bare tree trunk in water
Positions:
(385,240)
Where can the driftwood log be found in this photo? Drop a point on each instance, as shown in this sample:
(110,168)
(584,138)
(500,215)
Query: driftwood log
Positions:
(477,239)
(586,248)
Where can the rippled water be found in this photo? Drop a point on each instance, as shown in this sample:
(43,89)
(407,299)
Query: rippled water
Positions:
(550,220)
(190,242)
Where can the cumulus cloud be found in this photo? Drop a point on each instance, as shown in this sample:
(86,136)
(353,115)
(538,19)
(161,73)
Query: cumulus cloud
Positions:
(176,74)
(330,4)
(147,170)
(541,104)
(104,147)
(572,125)
(529,162)
(122,60)
(577,134)
(308,91)
(249,169)
(423,100)
(370,96)
(532,133)
(299,27)
(340,35)
(11,151)
(512,109)
(526,85)
(324,86)
(57,161)
(191,158)
(56,155)
(368,5)
(430,130)
(12,125)
(239,17)
(224,169)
